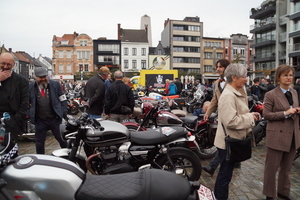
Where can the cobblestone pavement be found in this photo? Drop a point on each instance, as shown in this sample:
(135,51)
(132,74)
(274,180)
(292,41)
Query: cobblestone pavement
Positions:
(245,185)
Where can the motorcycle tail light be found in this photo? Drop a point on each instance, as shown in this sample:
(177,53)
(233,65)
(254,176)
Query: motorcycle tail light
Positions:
(189,133)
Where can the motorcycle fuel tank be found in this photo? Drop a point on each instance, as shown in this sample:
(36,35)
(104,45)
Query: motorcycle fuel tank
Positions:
(167,118)
(110,133)
(34,177)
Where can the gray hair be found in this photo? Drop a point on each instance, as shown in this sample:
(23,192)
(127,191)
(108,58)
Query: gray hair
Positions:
(237,70)
(118,74)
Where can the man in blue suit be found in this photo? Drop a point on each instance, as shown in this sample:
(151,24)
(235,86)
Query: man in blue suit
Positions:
(48,105)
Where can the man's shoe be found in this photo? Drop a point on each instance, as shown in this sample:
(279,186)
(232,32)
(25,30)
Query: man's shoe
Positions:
(281,196)
(270,198)
(209,170)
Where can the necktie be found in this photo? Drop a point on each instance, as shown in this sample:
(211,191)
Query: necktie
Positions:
(289,97)
(43,92)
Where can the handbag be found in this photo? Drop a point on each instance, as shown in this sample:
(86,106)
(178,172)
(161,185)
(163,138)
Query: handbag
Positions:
(237,150)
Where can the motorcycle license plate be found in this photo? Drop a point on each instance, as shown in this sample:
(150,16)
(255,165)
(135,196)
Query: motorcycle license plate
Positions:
(205,193)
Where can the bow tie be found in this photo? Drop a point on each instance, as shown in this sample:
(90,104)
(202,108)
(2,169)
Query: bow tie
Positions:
(221,80)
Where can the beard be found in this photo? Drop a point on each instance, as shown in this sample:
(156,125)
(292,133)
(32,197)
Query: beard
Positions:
(43,84)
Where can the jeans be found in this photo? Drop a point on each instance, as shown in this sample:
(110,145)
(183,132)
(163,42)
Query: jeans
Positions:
(94,116)
(224,176)
(214,163)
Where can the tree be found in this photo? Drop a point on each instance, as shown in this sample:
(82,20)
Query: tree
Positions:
(237,59)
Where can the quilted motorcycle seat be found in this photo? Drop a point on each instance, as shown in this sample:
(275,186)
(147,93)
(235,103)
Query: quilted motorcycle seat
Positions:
(148,184)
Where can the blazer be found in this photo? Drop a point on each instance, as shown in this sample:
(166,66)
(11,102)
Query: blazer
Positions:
(214,101)
(58,99)
(19,99)
(280,130)
(234,114)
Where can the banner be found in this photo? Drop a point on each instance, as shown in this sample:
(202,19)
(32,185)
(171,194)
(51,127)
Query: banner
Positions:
(158,80)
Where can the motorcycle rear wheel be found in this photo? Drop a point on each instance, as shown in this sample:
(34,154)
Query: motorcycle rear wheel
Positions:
(183,162)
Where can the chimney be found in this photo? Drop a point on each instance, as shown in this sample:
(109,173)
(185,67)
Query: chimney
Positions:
(10,50)
(119,31)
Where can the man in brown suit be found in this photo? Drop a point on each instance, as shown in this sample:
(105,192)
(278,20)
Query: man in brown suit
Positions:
(281,109)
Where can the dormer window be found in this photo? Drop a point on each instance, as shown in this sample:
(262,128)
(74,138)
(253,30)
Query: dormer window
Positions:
(65,42)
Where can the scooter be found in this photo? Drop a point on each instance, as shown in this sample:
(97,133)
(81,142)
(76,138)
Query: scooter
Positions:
(35,177)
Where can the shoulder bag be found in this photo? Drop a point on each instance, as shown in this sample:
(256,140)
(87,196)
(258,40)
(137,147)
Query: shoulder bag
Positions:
(237,150)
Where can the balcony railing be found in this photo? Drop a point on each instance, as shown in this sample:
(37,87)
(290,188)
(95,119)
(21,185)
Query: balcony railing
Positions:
(264,55)
(282,37)
(264,39)
(263,23)
(295,48)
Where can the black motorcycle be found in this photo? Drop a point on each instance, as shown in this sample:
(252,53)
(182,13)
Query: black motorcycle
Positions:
(201,95)
(111,149)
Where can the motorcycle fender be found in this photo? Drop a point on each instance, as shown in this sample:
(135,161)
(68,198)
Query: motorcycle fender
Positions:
(191,139)
(178,140)
(65,152)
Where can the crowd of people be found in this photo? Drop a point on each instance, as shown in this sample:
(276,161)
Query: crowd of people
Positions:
(44,100)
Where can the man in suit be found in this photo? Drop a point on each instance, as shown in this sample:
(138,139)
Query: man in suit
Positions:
(219,86)
(14,97)
(48,107)
(281,109)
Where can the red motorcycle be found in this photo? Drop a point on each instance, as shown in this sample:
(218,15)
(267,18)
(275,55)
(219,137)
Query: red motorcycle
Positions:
(157,115)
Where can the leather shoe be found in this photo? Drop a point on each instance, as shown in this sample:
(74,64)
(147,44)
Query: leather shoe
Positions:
(208,170)
(281,196)
(270,198)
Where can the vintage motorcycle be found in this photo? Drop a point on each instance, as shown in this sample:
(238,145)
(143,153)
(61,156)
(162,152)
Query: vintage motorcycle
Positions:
(111,149)
(74,102)
(201,95)
(154,116)
(35,177)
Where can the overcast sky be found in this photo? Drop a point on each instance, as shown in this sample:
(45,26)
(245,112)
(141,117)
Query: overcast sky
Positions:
(30,25)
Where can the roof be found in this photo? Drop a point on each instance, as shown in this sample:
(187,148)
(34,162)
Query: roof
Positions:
(21,55)
(129,35)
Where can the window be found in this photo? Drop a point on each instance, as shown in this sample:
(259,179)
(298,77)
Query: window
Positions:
(133,64)
(143,64)
(159,52)
(86,67)
(83,43)
(219,55)
(109,59)
(235,51)
(194,28)
(64,42)
(178,49)
(61,68)
(178,27)
(60,54)
(242,51)
(208,55)
(68,54)
(178,38)
(115,48)
(143,51)
(178,60)
(125,51)
(125,64)
(194,49)
(83,55)
(69,69)
(80,67)
(207,68)
(134,51)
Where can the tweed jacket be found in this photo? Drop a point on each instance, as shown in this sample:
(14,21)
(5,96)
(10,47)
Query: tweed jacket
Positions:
(280,130)
(58,99)
(234,114)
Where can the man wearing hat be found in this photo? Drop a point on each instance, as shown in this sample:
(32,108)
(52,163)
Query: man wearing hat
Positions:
(95,93)
(14,97)
(48,105)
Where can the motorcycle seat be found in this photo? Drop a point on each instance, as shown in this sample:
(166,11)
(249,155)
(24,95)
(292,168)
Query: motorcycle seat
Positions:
(189,119)
(148,184)
(157,136)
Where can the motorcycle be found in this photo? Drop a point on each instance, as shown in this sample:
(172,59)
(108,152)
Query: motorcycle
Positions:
(28,131)
(35,177)
(201,95)
(74,102)
(111,149)
(259,131)
(154,116)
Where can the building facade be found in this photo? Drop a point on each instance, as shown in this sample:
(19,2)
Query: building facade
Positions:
(72,55)
(184,38)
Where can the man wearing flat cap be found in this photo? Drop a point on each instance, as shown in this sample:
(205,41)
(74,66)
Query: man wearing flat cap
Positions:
(48,105)
(95,93)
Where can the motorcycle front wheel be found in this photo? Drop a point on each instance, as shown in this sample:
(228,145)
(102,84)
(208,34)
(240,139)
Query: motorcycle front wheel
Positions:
(181,161)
